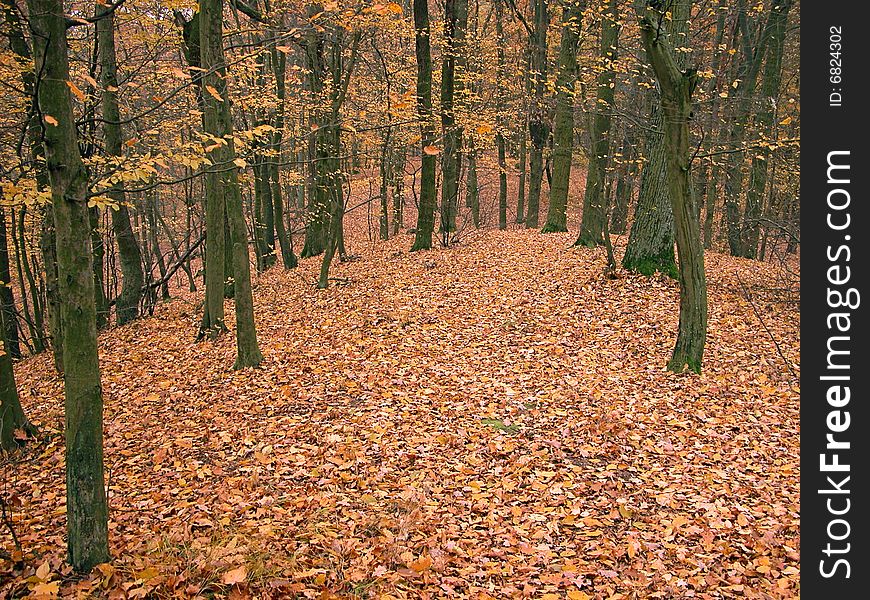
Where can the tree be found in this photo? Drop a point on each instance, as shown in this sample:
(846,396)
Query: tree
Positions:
(13,421)
(563,122)
(87,510)
(539,127)
(676,88)
(764,119)
(594,198)
(133,279)
(455,25)
(222,185)
(426,203)
(651,238)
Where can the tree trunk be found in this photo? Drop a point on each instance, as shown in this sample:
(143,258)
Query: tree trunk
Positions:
(765,120)
(426,208)
(225,186)
(7,297)
(455,24)
(563,122)
(651,239)
(747,78)
(500,118)
(594,200)
(539,128)
(13,421)
(677,87)
(132,277)
(87,511)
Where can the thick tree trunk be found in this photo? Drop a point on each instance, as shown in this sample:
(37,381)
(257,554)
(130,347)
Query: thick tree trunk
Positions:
(426,208)
(651,239)
(563,122)
(677,87)
(218,122)
(87,511)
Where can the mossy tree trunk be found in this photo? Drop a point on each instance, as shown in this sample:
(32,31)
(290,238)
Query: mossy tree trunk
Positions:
(651,238)
(7,296)
(426,205)
(563,121)
(13,421)
(224,186)
(594,199)
(676,88)
(87,510)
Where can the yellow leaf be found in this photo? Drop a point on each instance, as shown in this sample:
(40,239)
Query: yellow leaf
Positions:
(785,121)
(76,91)
(214,93)
(235,576)
(578,595)
(45,590)
(284,49)
(394,8)
(44,571)
(240,163)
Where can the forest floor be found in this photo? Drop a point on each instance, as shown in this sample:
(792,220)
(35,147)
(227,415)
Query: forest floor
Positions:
(492,420)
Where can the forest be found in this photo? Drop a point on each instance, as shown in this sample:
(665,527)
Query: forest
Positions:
(417,299)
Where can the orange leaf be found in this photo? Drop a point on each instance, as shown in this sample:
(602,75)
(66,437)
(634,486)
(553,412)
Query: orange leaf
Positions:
(76,91)
(423,563)
(214,93)
(235,576)
(431,150)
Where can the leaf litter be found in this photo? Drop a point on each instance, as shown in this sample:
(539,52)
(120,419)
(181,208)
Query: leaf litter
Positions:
(493,420)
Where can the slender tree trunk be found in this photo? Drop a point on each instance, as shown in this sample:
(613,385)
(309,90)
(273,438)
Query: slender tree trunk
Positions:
(747,78)
(7,297)
(563,122)
(455,25)
(765,119)
(218,122)
(132,277)
(426,208)
(539,127)
(87,512)
(472,185)
(677,87)
(594,200)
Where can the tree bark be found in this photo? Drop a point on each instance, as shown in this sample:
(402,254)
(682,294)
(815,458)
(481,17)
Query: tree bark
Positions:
(87,511)
(594,200)
(563,122)
(677,87)
(426,208)
(765,120)
(132,277)
(539,127)
(224,187)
